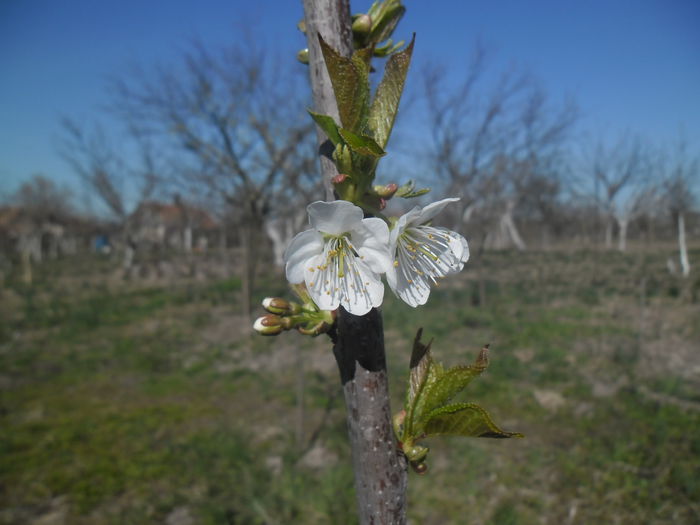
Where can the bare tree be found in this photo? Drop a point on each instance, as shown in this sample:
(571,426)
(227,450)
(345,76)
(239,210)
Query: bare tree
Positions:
(637,202)
(619,171)
(226,117)
(97,164)
(490,143)
(680,169)
(42,210)
(43,199)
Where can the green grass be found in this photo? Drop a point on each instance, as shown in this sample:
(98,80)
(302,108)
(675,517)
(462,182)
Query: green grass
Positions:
(124,404)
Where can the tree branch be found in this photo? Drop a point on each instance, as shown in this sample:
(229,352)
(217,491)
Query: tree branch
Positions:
(380,470)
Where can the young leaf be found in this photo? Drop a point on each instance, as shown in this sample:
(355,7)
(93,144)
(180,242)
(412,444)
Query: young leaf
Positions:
(424,371)
(328,125)
(421,361)
(361,144)
(464,419)
(350,81)
(388,15)
(385,106)
(416,193)
(445,387)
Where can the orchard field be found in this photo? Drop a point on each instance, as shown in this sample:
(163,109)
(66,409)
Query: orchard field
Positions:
(152,401)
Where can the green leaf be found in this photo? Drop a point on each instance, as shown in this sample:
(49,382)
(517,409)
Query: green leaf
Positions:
(388,48)
(328,125)
(445,386)
(424,371)
(350,80)
(385,106)
(361,144)
(421,361)
(388,14)
(416,193)
(464,419)
(405,189)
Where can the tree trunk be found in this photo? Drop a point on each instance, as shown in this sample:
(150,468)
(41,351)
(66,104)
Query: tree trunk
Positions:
(249,257)
(682,247)
(608,233)
(223,249)
(380,471)
(508,225)
(622,225)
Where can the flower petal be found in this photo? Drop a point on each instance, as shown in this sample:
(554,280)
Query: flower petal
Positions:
(357,288)
(363,290)
(433,209)
(459,247)
(371,240)
(304,245)
(334,217)
(410,287)
(322,283)
(407,218)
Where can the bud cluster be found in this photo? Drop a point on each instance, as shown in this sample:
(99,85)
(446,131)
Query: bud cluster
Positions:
(286,315)
(370,30)
(376,26)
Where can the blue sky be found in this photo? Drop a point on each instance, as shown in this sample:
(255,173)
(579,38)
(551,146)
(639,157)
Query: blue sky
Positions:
(631,65)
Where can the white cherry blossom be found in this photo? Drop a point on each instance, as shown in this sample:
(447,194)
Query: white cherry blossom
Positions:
(423,254)
(341,258)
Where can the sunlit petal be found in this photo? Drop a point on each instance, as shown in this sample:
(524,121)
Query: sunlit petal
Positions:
(362,290)
(422,254)
(371,241)
(334,217)
(303,246)
(429,212)
(322,282)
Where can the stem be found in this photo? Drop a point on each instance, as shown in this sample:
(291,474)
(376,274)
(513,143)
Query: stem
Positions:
(331,19)
(380,471)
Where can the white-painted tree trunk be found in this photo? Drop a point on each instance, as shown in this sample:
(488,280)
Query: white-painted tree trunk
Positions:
(187,239)
(281,232)
(508,225)
(682,246)
(622,224)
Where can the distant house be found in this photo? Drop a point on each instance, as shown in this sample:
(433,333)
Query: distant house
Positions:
(40,235)
(177,225)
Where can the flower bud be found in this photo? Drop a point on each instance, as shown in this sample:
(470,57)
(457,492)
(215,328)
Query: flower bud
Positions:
(303,56)
(268,325)
(386,192)
(361,25)
(277,305)
(339,179)
(343,158)
(419,468)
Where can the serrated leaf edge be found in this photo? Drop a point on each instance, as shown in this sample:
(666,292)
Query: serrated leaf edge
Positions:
(458,407)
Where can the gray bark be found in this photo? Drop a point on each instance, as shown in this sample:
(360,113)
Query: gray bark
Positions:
(380,470)
(330,19)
